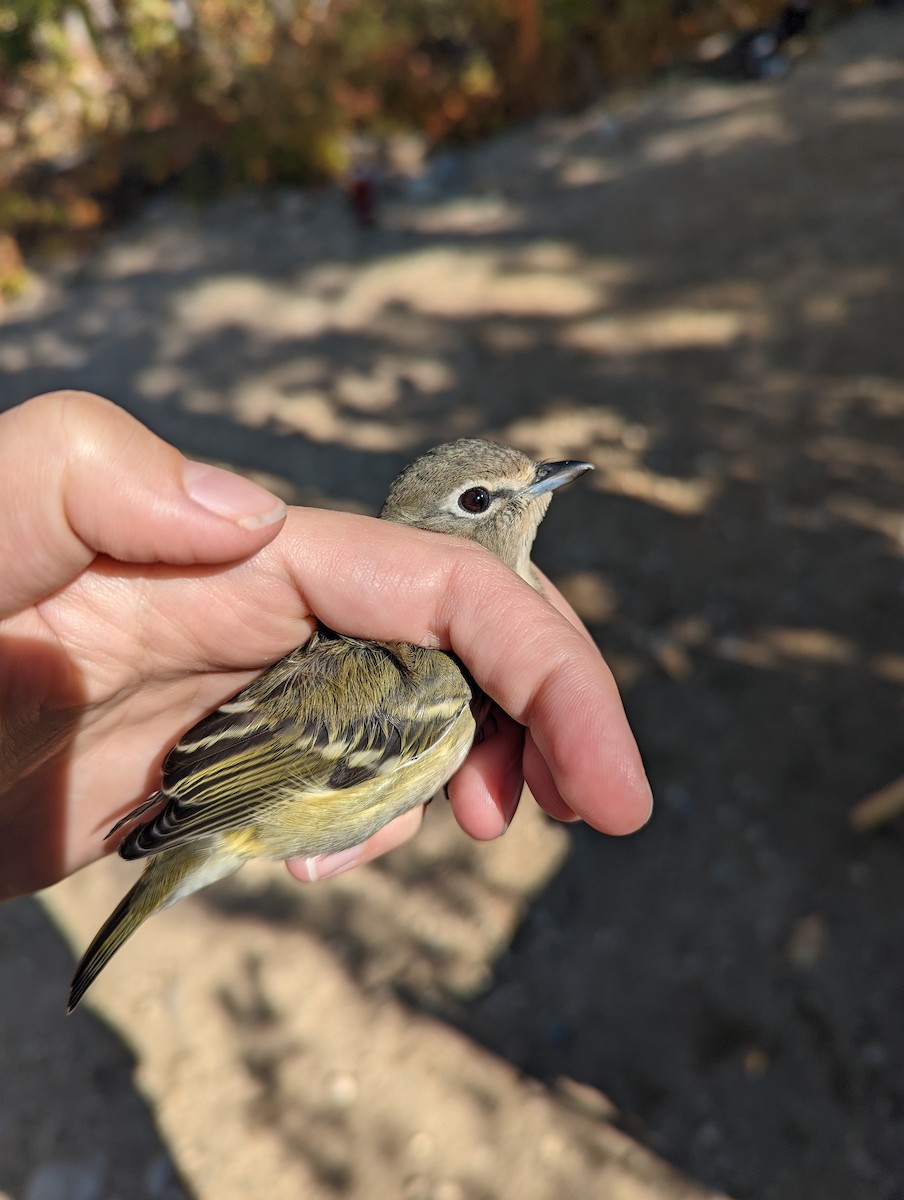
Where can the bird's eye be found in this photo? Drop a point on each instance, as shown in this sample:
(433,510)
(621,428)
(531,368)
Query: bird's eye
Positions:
(474,500)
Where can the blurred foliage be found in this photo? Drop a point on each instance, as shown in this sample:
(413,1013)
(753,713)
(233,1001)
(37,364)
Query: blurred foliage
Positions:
(103,101)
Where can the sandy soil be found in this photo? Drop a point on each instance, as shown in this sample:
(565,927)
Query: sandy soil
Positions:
(700,289)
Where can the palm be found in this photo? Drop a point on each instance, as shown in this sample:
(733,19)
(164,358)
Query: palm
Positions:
(119,663)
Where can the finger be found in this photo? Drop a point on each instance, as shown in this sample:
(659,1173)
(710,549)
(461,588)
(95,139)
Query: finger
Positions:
(550,678)
(325,866)
(542,785)
(79,476)
(375,579)
(485,790)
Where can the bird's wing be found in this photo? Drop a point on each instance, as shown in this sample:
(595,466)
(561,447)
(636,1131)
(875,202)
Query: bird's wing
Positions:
(329,716)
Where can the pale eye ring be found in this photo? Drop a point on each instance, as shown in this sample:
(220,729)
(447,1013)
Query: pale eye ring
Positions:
(474,500)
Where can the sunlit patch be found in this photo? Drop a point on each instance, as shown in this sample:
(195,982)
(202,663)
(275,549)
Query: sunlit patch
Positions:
(568,431)
(810,645)
(384,384)
(590,595)
(889,668)
(710,138)
(470,215)
(858,511)
(249,303)
(862,108)
(778,647)
(587,172)
(482,286)
(849,455)
(683,497)
(869,72)
(319,418)
(614,445)
(657,330)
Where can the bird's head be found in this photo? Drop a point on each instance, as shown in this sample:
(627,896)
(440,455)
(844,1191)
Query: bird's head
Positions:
(491,494)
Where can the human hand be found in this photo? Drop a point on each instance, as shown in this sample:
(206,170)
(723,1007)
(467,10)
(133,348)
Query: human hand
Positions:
(141,590)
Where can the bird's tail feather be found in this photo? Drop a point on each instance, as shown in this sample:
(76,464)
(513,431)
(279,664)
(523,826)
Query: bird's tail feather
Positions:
(134,908)
(168,877)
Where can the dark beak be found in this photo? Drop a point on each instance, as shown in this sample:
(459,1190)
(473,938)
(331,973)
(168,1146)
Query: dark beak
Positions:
(552,475)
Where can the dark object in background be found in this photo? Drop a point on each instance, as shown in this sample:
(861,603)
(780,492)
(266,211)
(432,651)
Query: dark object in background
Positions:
(362,197)
(757,52)
(793,19)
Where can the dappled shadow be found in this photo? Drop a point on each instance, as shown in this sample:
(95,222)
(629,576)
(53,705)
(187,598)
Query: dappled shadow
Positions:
(730,978)
(700,290)
(74,1123)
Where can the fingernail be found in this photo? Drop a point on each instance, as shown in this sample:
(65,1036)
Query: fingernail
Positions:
(232,496)
(325,866)
(512,787)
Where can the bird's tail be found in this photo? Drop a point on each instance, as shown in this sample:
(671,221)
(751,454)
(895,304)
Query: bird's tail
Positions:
(167,878)
(122,923)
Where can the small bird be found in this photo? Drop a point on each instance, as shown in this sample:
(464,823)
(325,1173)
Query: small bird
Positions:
(343,734)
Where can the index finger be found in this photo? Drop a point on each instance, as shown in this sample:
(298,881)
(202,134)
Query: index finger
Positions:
(547,674)
(371,578)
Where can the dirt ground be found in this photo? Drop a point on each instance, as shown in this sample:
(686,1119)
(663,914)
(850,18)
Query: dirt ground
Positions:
(699,288)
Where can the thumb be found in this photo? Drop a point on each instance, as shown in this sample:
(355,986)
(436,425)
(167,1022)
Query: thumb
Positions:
(80,477)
